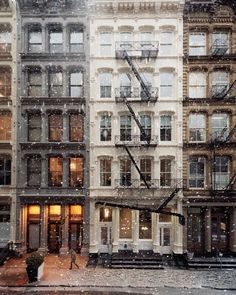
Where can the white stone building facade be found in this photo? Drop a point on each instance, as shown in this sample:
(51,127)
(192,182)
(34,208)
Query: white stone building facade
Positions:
(134,26)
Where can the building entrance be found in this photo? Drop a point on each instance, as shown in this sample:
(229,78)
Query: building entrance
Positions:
(54,237)
(220,230)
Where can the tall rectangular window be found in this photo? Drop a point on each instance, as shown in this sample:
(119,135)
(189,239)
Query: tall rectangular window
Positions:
(220,126)
(221,172)
(76,84)
(220,83)
(105,172)
(34,83)
(5,38)
(197,128)
(76,172)
(105,128)
(220,42)
(76,127)
(125,85)
(145,225)
(166,84)
(145,121)
(196,172)
(165,172)
(55,84)
(166,128)
(148,81)
(76,41)
(126,40)
(5,83)
(5,126)
(105,85)
(125,128)
(35,40)
(146,40)
(125,223)
(55,171)
(197,44)
(34,171)
(55,127)
(146,170)
(55,40)
(166,43)
(5,171)
(105,43)
(34,127)
(197,85)
(125,172)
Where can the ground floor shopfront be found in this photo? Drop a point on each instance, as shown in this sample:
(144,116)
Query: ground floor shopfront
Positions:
(114,229)
(54,228)
(210,229)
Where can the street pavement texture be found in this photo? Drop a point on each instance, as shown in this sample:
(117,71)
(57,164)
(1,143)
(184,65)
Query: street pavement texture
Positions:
(58,279)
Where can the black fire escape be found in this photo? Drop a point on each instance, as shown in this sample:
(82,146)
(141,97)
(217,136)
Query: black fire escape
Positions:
(131,52)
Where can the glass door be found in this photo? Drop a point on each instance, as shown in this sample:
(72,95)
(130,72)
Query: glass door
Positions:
(165,236)
(106,238)
(54,237)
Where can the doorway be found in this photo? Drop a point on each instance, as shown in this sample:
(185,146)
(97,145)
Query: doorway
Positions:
(165,238)
(106,238)
(220,229)
(76,236)
(33,227)
(54,237)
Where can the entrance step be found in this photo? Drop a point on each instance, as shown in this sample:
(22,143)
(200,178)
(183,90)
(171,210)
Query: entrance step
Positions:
(213,262)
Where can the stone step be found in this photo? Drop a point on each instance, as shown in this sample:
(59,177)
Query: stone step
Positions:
(131,266)
(211,265)
(135,262)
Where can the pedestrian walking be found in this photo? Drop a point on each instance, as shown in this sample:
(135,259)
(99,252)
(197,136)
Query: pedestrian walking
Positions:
(73,258)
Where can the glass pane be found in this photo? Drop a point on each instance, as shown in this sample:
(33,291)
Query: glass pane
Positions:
(145,225)
(125,223)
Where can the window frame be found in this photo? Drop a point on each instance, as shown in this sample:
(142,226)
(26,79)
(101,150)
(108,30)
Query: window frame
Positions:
(197,84)
(5,174)
(165,128)
(105,174)
(55,128)
(166,84)
(105,126)
(79,174)
(5,80)
(58,173)
(33,170)
(197,49)
(197,130)
(105,85)
(35,127)
(197,160)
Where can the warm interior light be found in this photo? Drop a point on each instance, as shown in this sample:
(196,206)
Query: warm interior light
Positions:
(34,210)
(106,212)
(55,210)
(75,210)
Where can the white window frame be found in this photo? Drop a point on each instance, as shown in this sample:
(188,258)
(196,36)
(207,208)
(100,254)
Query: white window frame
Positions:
(196,47)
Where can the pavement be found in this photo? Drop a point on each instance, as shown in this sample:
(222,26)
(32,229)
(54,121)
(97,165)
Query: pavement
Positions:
(58,277)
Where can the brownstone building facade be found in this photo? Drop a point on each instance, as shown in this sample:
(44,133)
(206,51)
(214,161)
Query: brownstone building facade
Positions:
(209,123)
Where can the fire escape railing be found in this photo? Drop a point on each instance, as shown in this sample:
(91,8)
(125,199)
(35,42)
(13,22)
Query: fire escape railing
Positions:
(223,91)
(219,48)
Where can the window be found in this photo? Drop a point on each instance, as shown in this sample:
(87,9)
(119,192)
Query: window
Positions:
(34,127)
(166,84)
(145,225)
(105,128)
(197,128)
(5,126)
(165,172)
(34,83)
(5,217)
(166,43)
(197,85)
(76,84)
(125,85)
(105,85)
(55,171)
(220,126)
(148,81)
(34,171)
(76,172)
(55,40)
(146,170)
(105,43)
(105,214)
(5,83)
(55,84)
(5,38)
(220,83)
(76,41)
(165,129)
(126,40)
(35,40)
(196,172)
(145,121)
(55,127)
(125,172)
(125,128)
(76,127)
(221,172)
(5,170)
(125,223)
(197,44)
(220,42)
(146,40)
(105,172)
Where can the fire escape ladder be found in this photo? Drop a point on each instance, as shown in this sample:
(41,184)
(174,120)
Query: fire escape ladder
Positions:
(229,90)
(231,183)
(137,75)
(230,134)
(136,166)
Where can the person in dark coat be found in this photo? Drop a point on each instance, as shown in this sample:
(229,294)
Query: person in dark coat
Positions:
(73,258)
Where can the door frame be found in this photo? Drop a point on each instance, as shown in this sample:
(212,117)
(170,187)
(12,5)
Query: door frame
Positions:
(80,234)
(57,224)
(105,248)
(161,227)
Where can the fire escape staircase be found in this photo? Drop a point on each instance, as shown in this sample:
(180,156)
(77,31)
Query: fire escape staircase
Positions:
(146,138)
(225,92)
